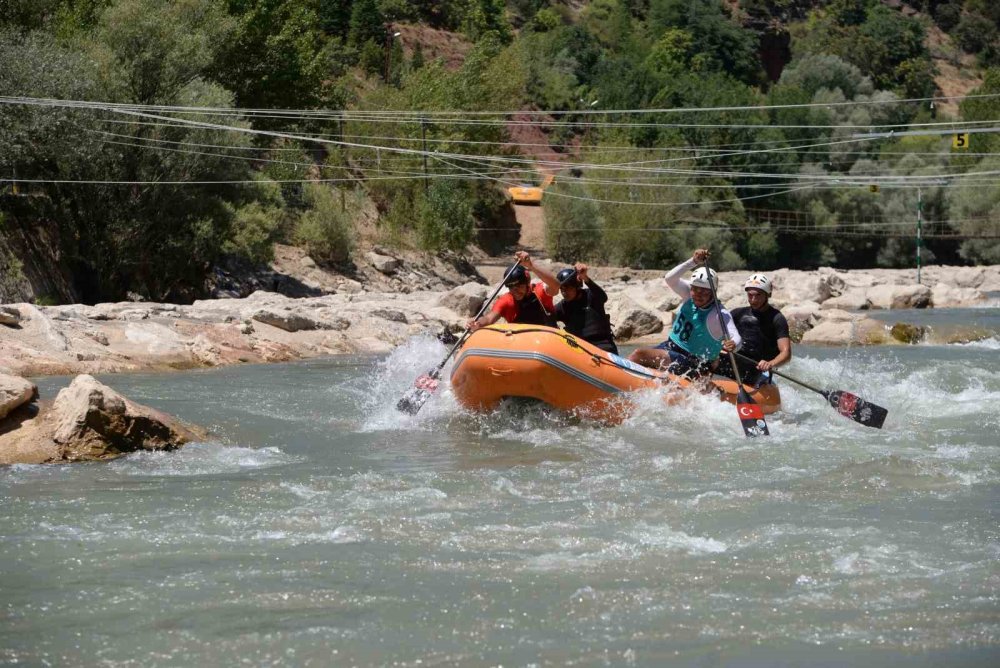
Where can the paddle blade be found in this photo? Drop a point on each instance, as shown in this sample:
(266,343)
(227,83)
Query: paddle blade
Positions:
(854,407)
(751,415)
(418,395)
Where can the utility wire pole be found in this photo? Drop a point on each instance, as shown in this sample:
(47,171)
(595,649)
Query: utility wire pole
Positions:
(920,229)
(423,138)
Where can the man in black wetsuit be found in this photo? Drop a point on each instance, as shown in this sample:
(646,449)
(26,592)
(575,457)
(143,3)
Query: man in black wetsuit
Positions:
(582,308)
(764,331)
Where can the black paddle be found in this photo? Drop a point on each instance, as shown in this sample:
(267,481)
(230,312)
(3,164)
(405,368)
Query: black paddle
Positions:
(750,413)
(425,384)
(847,404)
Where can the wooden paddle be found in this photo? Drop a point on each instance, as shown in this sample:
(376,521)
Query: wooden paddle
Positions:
(847,404)
(424,386)
(749,411)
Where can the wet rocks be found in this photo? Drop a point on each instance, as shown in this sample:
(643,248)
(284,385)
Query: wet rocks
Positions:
(854,330)
(92,421)
(89,421)
(908,333)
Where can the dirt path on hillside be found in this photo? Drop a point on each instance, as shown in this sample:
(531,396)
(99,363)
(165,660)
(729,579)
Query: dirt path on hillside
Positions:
(532,221)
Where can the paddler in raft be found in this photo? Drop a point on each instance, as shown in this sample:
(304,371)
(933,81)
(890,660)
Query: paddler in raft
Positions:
(696,339)
(525,303)
(766,342)
(582,308)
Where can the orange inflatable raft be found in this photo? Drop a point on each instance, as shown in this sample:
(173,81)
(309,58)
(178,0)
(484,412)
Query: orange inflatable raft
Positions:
(563,371)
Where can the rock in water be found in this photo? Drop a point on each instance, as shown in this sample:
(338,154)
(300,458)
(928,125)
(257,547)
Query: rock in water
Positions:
(92,421)
(907,333)
(15,391)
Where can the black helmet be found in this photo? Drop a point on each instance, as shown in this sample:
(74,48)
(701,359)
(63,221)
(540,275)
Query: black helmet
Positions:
(567,275)
(516,275)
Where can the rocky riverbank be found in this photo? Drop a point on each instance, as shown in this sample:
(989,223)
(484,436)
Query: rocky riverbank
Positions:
(824,307)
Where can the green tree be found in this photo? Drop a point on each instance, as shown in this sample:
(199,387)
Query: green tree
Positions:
(367,23)
(278,57)
(488,16)
(977,206)
(154,49)
(720,44)
(335,16)
(324,229)
(143,235)
(446,216)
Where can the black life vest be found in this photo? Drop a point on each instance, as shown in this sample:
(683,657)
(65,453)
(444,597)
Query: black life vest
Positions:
(588,322)
(531,312)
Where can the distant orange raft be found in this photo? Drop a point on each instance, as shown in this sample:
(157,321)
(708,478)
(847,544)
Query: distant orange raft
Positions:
(568,373)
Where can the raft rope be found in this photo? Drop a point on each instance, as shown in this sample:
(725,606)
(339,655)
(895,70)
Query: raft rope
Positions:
(573,343)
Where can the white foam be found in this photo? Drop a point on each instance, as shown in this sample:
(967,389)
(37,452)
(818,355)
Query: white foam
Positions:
(665,537)
(992,343)
(201,459)
(340,535)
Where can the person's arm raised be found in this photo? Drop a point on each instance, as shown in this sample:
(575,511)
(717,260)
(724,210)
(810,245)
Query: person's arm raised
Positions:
(546,276)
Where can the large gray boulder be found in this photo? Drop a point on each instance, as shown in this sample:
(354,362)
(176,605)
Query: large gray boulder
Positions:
(801,318)
(632,321)
(293,321)
(89,421)
(92,421)
(384,263)
(854,330)
(943,294)
(14,392)
(852,300)
(465,300)
(899,296)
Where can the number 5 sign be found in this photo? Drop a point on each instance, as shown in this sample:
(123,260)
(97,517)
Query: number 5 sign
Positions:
(960,140)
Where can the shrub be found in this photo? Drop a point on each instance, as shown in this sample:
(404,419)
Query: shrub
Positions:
(252,233)
(324,230)
(572,225)
(974,33)
(445,215)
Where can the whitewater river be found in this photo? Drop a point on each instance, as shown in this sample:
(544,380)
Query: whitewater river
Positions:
(320,527)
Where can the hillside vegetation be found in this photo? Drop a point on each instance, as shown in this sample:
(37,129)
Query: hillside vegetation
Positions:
(152,140)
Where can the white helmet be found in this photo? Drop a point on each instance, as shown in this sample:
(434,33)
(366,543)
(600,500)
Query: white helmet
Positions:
(699,278)
(759,282)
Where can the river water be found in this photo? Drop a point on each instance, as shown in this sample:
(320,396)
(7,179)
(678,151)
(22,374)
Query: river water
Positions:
(321,527)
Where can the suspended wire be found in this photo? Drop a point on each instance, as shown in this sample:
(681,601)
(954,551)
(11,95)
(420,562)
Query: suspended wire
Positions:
(345,113)
(456,118)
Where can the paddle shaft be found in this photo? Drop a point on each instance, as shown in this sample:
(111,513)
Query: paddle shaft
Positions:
(465,334)
(722,322)
(786,376)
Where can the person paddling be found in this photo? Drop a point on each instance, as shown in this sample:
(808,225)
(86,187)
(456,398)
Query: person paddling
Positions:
(696,338)
(582,308)
(765,334)
(525,303)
